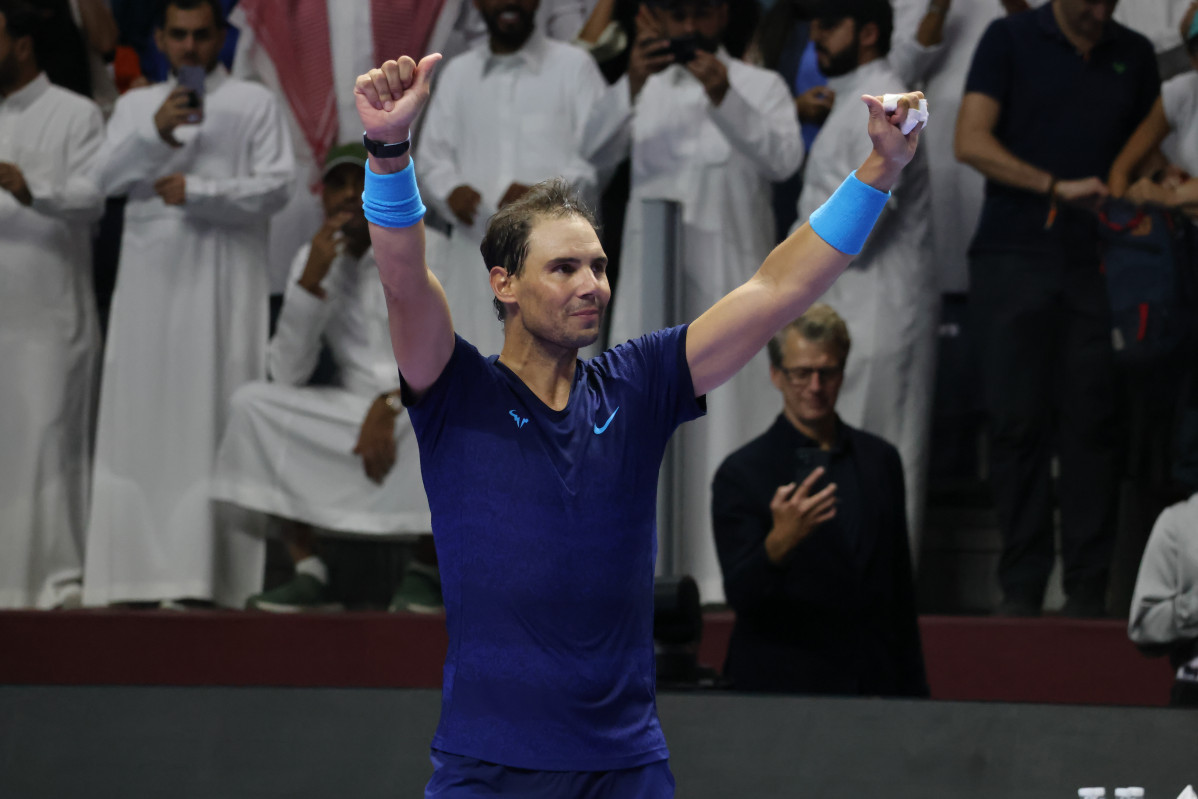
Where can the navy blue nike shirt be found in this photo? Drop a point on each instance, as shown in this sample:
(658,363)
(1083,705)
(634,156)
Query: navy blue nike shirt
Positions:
(545,527)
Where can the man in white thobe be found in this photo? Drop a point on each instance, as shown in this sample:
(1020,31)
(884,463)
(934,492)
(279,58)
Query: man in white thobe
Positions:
(888,296)
(332,458)
(461,27)
(509,113)
(348,26)
(310,57)
(49,335)
(712,135)
(189,320)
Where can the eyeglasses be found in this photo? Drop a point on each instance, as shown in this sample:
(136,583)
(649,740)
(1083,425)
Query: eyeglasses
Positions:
(801,375)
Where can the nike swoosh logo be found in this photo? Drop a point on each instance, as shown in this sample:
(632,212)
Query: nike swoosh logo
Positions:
(600,430)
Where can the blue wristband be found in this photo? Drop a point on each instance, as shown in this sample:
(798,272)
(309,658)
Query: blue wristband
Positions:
(392,200)
(847,218)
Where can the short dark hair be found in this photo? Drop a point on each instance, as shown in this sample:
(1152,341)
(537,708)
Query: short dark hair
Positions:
(506,241)
(22,18)
(58,45)
(862,12)
(218,13)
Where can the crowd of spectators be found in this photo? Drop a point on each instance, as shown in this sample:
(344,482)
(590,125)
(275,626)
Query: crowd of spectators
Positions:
(147,463)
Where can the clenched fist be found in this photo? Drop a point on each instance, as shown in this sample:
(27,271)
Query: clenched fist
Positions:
(391,97)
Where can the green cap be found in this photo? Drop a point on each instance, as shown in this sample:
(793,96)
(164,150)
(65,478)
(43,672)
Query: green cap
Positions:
(348,153)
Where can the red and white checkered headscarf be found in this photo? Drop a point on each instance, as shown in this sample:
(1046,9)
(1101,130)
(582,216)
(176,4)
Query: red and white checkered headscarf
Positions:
(295,34)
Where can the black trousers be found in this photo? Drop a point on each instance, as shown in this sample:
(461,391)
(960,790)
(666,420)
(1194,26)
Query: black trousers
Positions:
(1042,324)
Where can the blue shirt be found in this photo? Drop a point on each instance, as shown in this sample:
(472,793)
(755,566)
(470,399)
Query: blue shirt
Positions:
(545,526)
(1067,114)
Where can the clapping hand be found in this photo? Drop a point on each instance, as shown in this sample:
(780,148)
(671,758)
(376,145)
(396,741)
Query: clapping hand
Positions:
(797,511)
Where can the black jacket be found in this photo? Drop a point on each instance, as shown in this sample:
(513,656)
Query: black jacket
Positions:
(833,618)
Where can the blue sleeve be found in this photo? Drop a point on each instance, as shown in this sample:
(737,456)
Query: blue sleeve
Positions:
(458,382)
(990,73)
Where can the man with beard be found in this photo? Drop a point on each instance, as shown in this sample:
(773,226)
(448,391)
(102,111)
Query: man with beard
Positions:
(711,134)
(888,297)
(204,165)
(541,470)
(508,113)
(332,458)
(1037,290)
(49,335)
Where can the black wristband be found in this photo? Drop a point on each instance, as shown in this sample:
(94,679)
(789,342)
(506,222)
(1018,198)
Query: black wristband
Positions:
(381,150)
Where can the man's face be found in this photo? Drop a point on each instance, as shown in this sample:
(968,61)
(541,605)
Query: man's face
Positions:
(1088,18)
(562,290)
(190,38)
(341,193)
(509,22)
(836,46)
(703,20)
(810,379)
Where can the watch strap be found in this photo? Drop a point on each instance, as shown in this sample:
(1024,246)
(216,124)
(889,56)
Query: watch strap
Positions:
(383,150)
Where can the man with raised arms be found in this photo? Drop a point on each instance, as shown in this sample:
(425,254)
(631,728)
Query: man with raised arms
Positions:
(541,470)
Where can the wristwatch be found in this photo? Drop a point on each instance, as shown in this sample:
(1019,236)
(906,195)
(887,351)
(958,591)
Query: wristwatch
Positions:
(383,150)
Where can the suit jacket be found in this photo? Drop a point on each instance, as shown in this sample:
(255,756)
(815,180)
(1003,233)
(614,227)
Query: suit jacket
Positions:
(835,617)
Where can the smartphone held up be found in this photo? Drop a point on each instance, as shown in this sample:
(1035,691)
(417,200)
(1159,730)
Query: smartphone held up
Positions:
(192,78)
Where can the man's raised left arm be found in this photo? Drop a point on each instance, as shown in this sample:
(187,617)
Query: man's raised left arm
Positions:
(802,267)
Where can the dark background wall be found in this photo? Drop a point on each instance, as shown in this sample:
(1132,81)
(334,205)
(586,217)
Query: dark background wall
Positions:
(228,743)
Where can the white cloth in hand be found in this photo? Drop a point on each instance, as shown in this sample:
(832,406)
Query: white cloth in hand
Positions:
(914,115)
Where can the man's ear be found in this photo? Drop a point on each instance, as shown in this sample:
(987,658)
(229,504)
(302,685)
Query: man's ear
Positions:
(501,285)
(776,377)
(867,37)
(23,49)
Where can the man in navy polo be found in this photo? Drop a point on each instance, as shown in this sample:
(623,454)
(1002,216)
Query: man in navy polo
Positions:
(1051,97)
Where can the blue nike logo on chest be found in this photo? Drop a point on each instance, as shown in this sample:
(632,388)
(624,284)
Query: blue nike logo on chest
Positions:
(600,430)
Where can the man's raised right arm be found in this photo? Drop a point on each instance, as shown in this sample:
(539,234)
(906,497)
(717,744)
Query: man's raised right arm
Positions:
(388,100)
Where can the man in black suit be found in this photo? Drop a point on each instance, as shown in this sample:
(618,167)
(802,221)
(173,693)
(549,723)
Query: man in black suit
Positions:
(810,525)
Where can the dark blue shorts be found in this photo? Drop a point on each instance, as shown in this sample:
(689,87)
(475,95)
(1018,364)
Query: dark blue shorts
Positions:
(457,777)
